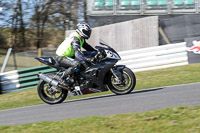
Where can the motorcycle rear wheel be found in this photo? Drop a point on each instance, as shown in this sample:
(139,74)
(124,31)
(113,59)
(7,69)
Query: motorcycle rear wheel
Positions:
(50,96)
(128,84)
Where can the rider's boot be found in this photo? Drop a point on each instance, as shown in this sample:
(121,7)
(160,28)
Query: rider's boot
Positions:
(64,79)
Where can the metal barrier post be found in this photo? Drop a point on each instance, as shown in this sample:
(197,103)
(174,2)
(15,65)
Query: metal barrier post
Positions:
(6,60)
(40,54)
(14,60)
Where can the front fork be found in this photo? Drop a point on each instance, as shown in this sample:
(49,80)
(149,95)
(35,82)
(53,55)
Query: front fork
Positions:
(117,73)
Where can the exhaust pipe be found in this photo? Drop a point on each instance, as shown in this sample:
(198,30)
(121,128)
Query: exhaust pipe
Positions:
(48,79)
(51,81)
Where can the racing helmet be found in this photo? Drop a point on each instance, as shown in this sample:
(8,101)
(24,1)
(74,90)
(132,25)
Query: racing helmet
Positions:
(84,30)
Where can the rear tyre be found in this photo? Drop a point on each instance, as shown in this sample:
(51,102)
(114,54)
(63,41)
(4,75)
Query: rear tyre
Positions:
(128,84)
(50,95)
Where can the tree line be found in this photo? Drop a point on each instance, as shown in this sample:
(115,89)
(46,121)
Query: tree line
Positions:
(38,23)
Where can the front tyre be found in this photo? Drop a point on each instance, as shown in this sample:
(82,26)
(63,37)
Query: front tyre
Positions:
(127,85)
(50,94)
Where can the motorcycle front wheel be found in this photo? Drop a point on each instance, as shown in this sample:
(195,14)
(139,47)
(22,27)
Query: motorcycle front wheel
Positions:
(50,95)
(127,85)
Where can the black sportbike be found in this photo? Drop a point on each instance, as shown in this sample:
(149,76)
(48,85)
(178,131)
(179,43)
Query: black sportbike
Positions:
(102,75)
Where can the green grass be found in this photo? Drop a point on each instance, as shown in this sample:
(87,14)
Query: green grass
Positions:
(3,52)
(183,119)
(148,79)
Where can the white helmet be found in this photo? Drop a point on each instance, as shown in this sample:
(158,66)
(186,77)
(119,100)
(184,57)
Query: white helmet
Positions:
(84,30)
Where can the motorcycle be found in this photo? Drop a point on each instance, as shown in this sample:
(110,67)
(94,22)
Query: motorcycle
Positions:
(100,76)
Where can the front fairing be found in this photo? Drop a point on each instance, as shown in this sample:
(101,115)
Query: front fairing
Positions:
(110,53)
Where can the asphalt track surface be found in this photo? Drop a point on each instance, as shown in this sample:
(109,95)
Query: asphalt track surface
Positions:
(137,101)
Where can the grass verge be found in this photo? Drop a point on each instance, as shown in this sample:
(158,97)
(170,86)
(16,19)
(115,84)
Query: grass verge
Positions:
(3,52)
(148,79)
(183,119)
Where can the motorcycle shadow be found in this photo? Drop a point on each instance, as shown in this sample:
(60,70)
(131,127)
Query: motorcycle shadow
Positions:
(113,95)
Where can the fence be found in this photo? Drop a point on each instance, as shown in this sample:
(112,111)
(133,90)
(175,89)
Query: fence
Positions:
(138,60)
(22,79)
(21,60)
(155,57)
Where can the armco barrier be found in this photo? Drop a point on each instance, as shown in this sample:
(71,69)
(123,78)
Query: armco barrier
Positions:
(138,60)
(155,57)
(22,79)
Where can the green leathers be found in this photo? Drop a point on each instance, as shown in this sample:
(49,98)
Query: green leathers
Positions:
(65,48)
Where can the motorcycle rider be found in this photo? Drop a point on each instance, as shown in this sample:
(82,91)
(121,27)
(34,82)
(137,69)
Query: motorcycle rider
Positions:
(69,53)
